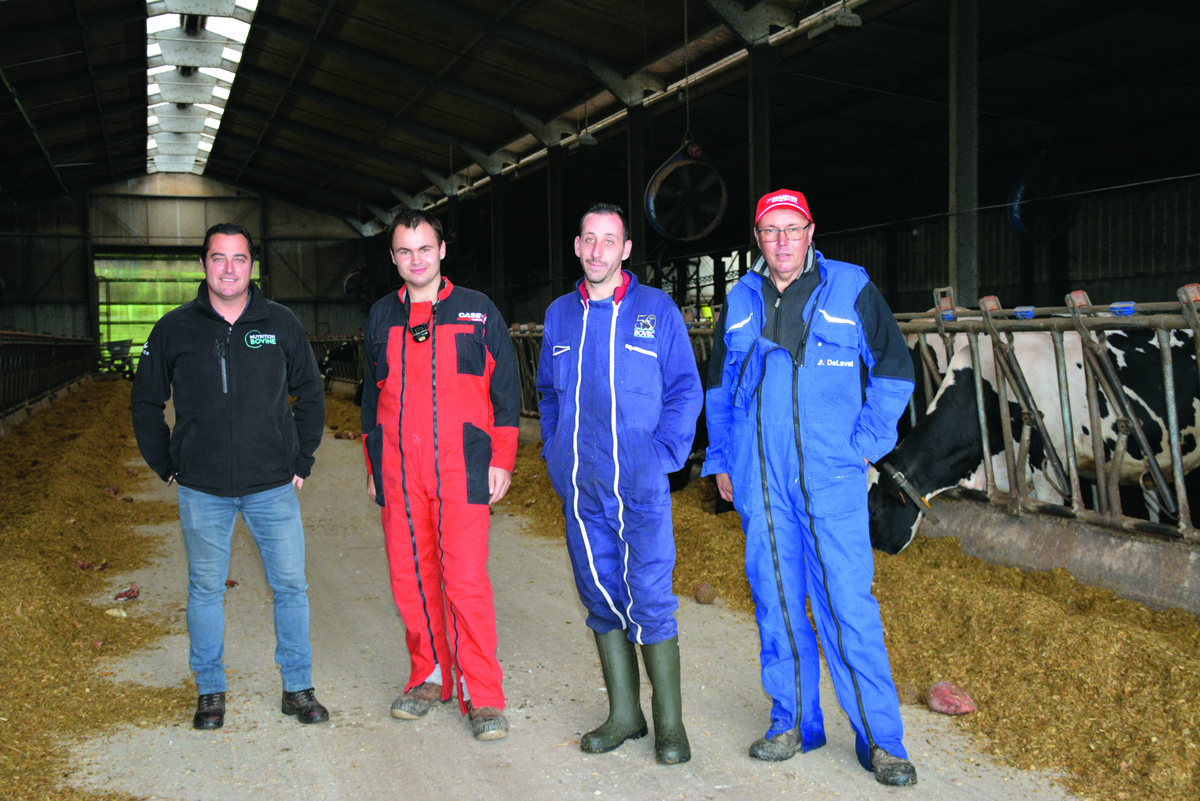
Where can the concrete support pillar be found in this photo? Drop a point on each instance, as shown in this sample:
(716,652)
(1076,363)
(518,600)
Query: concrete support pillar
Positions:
(556,157)
(964,150)
(762,64)
(499,281)
(264,258)
(639,123)
(93,280)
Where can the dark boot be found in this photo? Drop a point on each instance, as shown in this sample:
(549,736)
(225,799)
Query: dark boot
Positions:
(670,739)
(618,662)
(892,770)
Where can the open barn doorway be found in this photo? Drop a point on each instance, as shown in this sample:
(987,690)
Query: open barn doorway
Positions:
(133,291)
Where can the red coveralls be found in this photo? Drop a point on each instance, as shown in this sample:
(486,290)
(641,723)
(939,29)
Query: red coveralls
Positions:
(436,415)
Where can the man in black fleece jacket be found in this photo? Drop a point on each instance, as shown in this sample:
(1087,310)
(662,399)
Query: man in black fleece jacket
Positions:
(229,360)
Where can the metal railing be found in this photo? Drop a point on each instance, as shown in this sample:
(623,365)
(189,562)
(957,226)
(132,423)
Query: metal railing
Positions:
(339,358)
(993,327)
(527,341)
(34,365)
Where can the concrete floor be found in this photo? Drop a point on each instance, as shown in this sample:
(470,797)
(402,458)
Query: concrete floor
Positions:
(552,680)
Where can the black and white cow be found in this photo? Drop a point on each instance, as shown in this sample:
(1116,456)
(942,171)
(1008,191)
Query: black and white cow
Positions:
(341,363)
(935,362)
(945,449)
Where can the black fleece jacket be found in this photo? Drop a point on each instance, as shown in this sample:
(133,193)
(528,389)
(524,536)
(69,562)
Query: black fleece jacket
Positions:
(234,432)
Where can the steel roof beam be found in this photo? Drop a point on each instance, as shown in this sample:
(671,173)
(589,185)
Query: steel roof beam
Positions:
(338,200)
(48,124)
(120,69)
(547,133)
(629,90)
(32,128)
(28,35)
(288,198)
(329,171)
(82,179)
(60,154)
(752,26)
(472,149)
(319,135)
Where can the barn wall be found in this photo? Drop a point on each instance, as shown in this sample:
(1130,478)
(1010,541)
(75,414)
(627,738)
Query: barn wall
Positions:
(46,274)
(1138,244)
(56,319)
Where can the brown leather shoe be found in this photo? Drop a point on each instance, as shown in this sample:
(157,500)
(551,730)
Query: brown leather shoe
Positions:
(488,723)
(417,702)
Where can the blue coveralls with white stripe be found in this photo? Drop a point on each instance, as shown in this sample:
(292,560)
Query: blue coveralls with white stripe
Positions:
(620,398)
(793,431)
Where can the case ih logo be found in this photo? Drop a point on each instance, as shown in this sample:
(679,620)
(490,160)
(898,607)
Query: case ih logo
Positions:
(475,317)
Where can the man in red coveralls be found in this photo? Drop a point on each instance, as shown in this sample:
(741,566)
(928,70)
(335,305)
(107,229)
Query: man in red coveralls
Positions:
(440,411)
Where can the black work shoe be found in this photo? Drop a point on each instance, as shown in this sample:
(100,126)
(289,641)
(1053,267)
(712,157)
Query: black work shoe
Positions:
(305,706)
(892,770)
(778,748)
(210,711)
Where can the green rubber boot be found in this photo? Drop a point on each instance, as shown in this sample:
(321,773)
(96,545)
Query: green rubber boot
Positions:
(670,739)
(618,662)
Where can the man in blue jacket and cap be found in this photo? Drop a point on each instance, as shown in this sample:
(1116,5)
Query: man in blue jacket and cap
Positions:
(620,398)
(808,376)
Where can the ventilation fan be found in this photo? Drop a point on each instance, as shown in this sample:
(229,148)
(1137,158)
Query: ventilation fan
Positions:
(1044,203)
(359,286)
(524,285)
(686,197)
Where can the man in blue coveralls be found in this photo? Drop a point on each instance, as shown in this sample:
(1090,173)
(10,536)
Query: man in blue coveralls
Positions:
(620,398)
(808,376)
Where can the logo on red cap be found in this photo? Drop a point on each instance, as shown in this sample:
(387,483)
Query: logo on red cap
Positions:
(781,199)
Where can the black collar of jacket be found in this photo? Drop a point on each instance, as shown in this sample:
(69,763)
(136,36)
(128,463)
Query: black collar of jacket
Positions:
(760,264)
(256,307)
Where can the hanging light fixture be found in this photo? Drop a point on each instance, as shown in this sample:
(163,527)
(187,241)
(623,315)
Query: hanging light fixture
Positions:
(844,18)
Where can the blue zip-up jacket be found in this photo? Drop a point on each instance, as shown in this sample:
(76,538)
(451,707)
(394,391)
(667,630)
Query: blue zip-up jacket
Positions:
(840,396)
(651,367)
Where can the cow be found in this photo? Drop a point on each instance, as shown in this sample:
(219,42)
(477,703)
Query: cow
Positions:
(929,369)
(945,450)
(341,363)
(679,479)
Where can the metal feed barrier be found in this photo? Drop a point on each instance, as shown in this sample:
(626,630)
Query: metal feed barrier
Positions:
(343,370)
(997,324)
(527,341)
(1091,323)
(34,365)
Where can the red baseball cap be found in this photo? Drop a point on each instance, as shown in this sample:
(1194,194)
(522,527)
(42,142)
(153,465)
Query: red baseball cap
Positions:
(781,199)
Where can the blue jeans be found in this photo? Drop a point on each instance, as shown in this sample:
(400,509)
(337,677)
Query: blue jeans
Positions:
(273,518)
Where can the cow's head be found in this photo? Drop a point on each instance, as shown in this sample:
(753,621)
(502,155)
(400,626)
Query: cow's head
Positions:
(894,517)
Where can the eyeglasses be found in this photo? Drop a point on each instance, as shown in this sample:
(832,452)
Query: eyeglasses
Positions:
(793,232)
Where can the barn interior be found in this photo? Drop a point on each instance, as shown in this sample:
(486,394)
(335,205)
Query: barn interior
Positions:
(1023,149)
